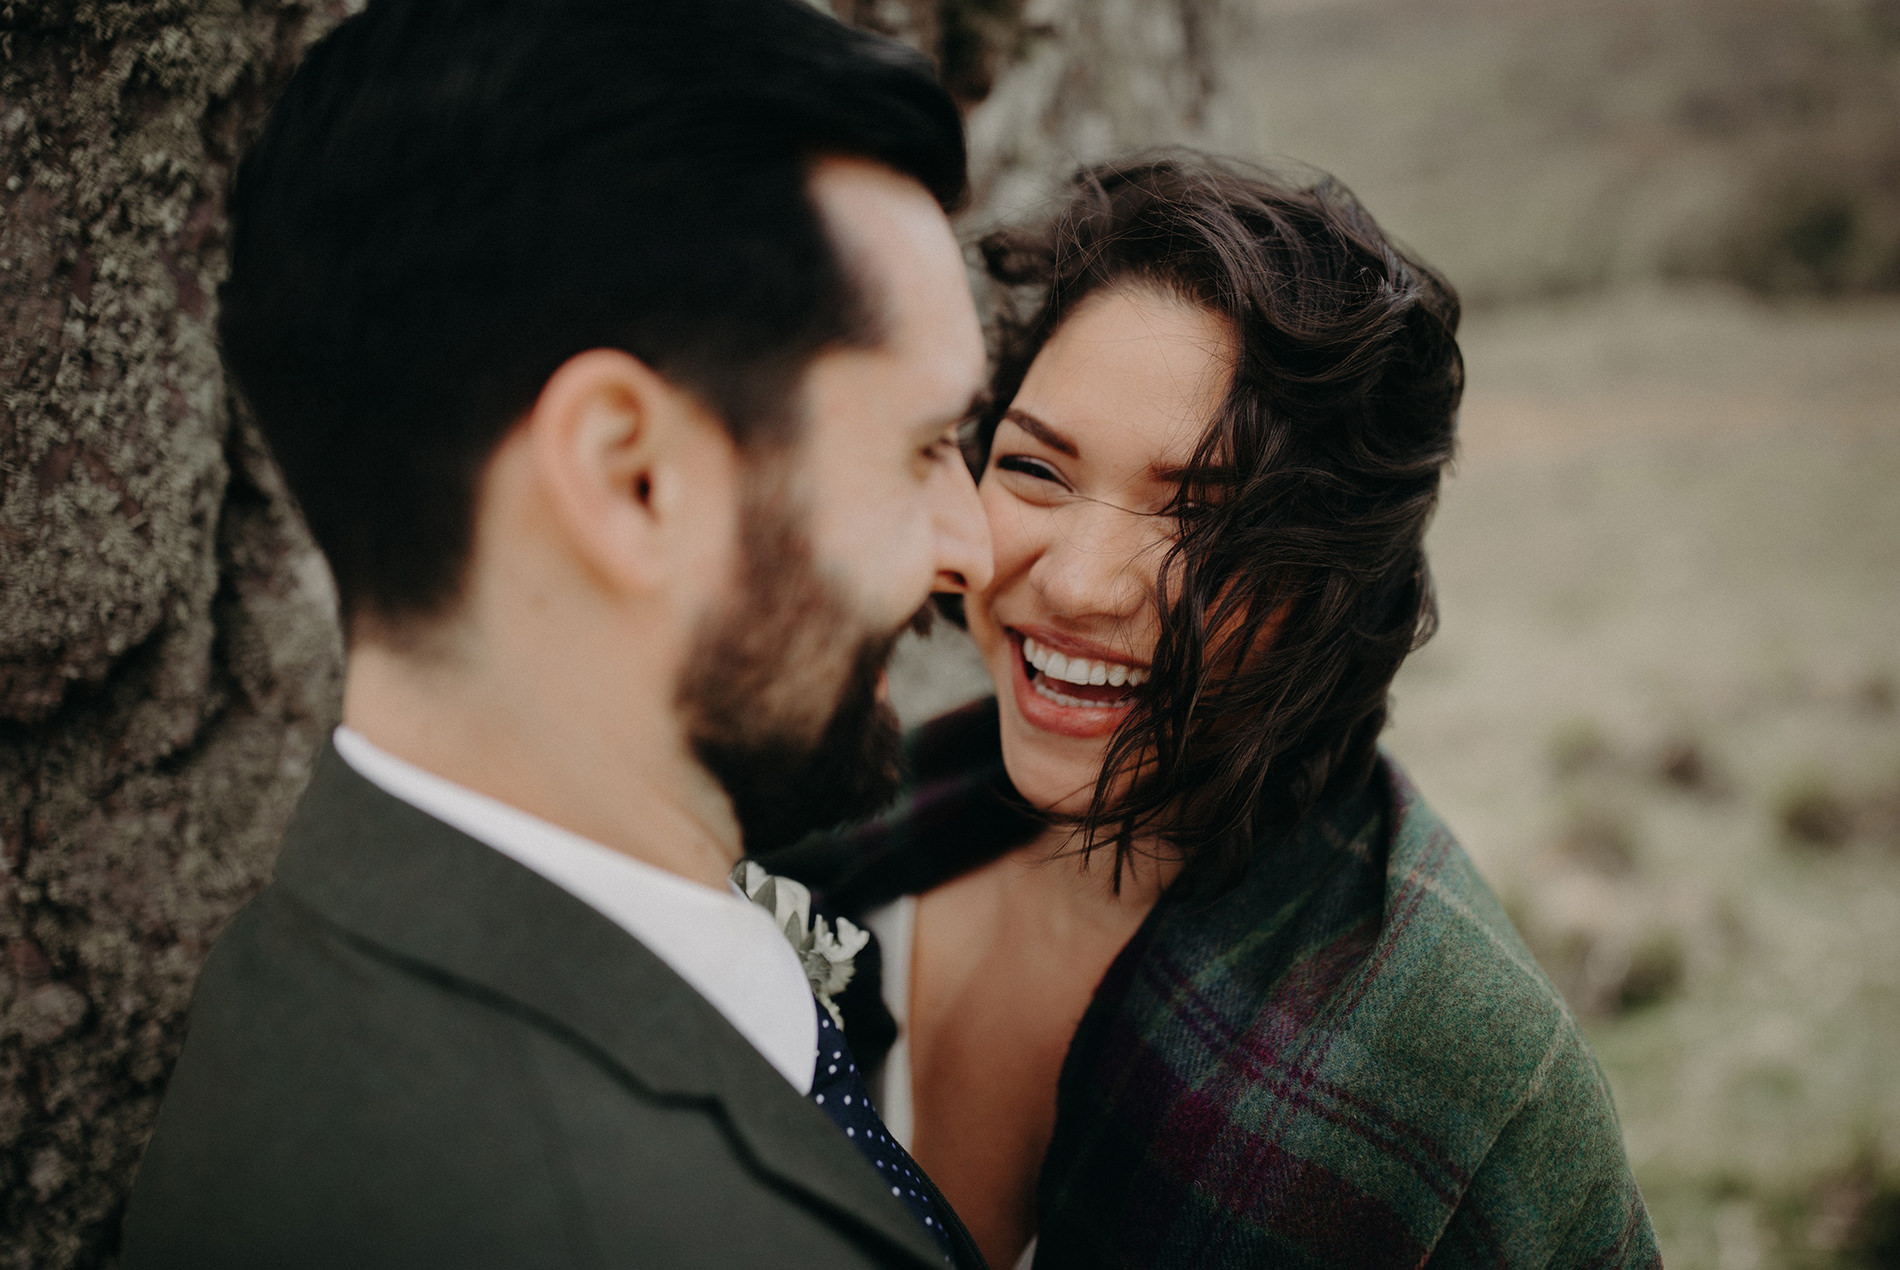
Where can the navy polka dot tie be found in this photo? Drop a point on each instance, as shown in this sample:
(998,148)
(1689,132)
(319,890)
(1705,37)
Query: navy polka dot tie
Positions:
(838,1088)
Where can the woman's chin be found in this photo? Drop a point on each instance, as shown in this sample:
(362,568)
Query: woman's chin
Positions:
(1047,787)
(1053,751)
(1055,774)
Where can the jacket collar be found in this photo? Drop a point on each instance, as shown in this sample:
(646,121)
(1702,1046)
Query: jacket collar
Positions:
(422,893)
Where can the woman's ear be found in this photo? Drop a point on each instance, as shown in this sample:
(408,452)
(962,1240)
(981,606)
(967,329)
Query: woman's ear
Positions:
(609,439)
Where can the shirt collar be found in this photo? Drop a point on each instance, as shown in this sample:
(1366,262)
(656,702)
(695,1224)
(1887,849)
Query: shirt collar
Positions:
(727,948)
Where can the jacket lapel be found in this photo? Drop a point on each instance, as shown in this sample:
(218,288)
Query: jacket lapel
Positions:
(427,894)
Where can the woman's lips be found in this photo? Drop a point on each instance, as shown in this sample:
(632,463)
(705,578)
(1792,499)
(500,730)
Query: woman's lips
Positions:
(1074,710)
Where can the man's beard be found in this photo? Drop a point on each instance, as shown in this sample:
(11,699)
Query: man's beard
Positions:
(781,697)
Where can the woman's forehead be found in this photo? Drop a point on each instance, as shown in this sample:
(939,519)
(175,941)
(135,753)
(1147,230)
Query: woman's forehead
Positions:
(1133,376)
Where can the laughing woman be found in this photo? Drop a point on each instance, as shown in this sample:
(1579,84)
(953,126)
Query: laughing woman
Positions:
(1179,968)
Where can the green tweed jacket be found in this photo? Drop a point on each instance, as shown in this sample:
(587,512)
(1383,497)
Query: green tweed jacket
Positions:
(1349,1060)
(410,1051)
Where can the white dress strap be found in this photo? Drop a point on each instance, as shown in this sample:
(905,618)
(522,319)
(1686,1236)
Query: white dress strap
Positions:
(895,926)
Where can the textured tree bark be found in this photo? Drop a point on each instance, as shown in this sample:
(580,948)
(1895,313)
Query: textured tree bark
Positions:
(168,651)
(169,658)
(1047,85)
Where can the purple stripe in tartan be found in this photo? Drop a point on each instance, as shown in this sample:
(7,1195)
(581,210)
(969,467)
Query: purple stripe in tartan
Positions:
(1319,1211)
(1635,1229)
(1258,1050)
(1399,916)
(1163,1190)
(1200,1159)
(1200,1154)
(1301,1087)
(1235,1163)
(1300,998)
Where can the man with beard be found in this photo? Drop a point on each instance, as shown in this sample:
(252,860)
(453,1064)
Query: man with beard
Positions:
(614,353)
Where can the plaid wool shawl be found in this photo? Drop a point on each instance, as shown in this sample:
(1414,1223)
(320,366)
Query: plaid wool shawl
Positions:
(1348,1060)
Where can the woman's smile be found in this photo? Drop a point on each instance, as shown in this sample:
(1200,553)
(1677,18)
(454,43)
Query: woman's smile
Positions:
(1070,693)
(1079,671)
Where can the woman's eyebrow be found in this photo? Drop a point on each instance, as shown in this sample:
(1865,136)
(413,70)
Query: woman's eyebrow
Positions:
(1041,431)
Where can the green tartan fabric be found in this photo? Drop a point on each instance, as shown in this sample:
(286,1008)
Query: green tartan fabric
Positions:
(1349,1060)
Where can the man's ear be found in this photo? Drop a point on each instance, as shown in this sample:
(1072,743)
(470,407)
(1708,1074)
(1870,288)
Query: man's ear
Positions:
(608,438)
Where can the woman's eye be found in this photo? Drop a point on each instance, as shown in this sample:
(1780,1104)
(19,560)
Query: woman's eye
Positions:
(1028,467)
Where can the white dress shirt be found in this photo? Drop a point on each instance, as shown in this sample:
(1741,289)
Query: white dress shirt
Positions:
(725,946)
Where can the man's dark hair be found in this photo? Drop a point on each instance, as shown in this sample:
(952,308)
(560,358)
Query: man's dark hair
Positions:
(1298,583)
(453,197)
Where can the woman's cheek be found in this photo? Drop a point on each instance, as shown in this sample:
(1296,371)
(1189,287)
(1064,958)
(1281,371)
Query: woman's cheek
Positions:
(1012,532)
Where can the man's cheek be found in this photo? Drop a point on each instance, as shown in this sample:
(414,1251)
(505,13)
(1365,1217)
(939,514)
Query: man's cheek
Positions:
(888,560)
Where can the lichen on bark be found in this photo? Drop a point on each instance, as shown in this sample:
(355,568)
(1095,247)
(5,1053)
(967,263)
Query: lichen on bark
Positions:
(168,651)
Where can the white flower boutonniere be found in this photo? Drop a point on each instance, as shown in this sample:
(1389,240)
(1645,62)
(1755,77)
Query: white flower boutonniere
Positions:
(828,956)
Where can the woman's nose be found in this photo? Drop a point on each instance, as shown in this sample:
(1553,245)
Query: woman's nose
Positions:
(965,554)
(1099,563)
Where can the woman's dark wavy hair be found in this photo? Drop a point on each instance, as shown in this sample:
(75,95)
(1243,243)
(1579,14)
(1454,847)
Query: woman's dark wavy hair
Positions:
(1298,583)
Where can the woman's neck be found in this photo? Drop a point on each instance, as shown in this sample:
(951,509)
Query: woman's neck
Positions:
(1005,961)
(1051,875)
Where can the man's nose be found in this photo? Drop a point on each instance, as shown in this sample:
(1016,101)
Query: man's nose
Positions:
(965,559)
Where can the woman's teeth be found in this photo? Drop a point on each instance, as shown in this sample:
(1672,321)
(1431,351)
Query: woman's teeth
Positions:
(1079,670)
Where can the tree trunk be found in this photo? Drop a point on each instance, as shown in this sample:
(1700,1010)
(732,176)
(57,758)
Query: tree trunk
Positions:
(168,652)
(169,658)
(1047,85)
